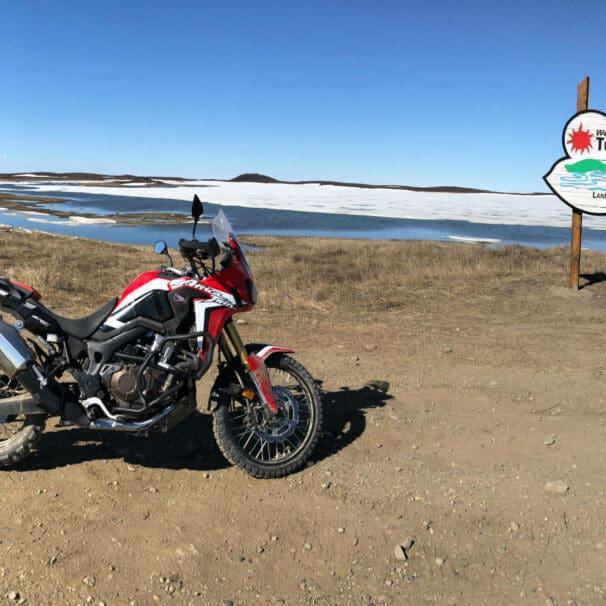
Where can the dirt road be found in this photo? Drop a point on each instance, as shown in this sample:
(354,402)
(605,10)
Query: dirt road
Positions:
(494,392)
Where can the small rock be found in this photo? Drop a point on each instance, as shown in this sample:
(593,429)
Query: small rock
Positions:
(439,561)
(400,552)
(388,582)
(274,537)
(550,440)
(13,595)
(89,581)
(152,489)
(556,486)
(307,546)
(340,529)
(514,527)
(326,485)
(131,467)
(415,446)
(205,475)
(228,603)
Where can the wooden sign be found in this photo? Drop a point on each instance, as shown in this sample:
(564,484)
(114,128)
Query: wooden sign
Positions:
(579,179)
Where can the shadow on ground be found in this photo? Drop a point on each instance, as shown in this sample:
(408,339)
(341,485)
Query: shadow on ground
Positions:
(191,445)
(594,278)
(345,416)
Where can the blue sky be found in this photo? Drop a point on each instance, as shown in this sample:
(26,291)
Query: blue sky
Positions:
(466,93)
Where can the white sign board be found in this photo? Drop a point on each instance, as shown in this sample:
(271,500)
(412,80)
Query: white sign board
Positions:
(579,179)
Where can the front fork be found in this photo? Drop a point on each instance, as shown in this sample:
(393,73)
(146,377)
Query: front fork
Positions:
(252,365)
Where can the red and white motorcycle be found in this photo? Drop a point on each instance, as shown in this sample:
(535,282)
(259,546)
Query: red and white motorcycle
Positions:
(133,364)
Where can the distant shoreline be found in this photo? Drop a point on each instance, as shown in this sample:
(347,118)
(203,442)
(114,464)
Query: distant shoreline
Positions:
(126,180)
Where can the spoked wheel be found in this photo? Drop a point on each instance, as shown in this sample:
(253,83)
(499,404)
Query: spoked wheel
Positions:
(272,447)
(18,433)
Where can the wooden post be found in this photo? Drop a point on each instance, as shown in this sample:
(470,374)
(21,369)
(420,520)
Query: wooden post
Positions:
(577,215)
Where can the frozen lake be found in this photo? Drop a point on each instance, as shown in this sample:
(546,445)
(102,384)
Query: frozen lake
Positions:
(307,210)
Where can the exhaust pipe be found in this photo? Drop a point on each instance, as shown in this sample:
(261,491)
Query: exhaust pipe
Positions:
(15,355)
(131,426)
(17,362)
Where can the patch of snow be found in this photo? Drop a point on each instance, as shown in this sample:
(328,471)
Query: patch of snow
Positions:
(505,209)
(475,240)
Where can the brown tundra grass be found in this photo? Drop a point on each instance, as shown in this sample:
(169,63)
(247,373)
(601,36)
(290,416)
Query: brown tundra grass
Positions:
(77,276)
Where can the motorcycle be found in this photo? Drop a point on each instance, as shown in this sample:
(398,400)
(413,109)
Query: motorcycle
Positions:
(132,365)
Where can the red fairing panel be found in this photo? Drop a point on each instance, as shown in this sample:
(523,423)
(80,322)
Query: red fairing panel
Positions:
(143,283)
(211,315)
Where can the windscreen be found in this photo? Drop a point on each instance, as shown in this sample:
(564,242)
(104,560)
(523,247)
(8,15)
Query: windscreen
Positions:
(224,232)
(222,229)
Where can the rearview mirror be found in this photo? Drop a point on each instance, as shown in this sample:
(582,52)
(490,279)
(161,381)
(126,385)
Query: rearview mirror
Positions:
(196,208)
(160,247)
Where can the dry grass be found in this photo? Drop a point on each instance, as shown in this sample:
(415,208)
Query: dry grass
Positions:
(366,275)
(77,276)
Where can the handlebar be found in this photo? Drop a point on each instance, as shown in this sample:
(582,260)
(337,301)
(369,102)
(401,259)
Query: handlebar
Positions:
(202,250)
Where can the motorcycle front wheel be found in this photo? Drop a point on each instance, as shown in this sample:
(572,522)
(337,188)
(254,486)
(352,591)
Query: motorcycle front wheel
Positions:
(271,447)
(18,434)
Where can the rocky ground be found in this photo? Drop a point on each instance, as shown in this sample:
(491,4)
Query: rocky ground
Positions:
(477,478)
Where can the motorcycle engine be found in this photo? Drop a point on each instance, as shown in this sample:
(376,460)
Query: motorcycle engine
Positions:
(125,380)
(121,382)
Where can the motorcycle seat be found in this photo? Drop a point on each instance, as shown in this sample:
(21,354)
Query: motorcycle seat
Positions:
(85,327)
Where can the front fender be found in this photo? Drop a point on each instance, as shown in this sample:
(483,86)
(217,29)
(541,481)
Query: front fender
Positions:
(264,351)
(257,355)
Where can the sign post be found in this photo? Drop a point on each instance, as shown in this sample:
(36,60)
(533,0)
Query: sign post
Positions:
(579,178)
(577,215)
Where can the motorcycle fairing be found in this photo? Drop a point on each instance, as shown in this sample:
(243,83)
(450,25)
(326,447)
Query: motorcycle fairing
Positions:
(211,315)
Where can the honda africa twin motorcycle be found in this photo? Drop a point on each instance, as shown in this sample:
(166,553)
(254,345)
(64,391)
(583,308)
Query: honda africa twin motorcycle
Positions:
(133,364)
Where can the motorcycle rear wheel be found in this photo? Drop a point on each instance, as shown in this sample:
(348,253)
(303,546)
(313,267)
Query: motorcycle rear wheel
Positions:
(278,447)
(18,434)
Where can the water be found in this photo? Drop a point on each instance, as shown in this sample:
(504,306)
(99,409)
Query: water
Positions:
(594,180)
(260,221)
